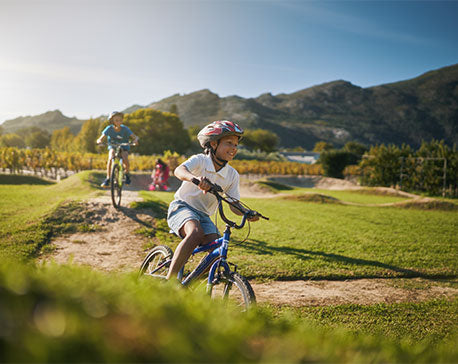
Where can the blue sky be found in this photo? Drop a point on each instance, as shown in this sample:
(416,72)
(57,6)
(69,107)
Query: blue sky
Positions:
(89,57)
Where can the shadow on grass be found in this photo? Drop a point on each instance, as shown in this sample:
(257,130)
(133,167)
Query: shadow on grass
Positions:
(16,179)
(262,248)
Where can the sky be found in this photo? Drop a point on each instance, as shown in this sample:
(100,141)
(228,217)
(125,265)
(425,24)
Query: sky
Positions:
(90,57)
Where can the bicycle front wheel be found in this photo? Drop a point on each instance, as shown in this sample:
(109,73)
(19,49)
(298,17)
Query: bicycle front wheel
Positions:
(116,185)
(157,262)
(233,288)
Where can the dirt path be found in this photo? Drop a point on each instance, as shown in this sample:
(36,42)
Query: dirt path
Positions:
(114,246)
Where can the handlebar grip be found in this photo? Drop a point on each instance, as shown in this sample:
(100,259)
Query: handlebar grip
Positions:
(214,186)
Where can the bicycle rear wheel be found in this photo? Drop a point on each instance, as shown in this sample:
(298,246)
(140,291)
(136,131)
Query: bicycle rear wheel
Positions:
(233,288)
(116,185)
(157,262)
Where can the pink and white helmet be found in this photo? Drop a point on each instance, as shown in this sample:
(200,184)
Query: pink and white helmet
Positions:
(218,129)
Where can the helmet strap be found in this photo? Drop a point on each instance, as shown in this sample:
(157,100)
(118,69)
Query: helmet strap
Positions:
(219,162)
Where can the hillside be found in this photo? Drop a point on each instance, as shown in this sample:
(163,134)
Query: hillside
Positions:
(410,111)
(49,121)
(425,107)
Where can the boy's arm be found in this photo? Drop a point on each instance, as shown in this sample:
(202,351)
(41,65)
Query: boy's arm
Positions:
(183,174)
(135,138)
(100,140)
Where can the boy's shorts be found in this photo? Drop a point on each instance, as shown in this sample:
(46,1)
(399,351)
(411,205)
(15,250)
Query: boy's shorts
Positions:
(180,212)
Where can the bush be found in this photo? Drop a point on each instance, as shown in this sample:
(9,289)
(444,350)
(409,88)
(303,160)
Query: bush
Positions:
(335,161)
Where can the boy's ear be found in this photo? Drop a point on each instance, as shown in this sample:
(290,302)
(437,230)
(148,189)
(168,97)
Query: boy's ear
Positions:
(214,144)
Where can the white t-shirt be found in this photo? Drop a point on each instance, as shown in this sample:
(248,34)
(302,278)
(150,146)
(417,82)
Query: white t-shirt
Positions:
(201,165)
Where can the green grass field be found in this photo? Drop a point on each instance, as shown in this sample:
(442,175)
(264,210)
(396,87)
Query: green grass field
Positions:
(26,204)
(330,241)
(57,313)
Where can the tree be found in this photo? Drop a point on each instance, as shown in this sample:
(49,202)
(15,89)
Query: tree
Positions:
(38,139)
(173,109)
(193,130)
(34,137)
(12,140)
(86,139)
(62,140)
(322,146)
(260,139)
(355,148)
(334,162)
(158,131)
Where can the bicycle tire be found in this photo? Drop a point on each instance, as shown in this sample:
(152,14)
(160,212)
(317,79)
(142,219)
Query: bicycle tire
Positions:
(159,255)
(116,186)
(234,288)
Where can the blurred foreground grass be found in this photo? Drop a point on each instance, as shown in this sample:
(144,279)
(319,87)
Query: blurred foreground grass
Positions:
(68,314)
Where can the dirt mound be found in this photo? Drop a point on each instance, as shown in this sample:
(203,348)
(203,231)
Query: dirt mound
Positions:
(314,182)
(312,197)
(427,204)
(385,191)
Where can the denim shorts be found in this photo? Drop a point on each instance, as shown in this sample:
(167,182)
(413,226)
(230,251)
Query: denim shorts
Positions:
(180,212)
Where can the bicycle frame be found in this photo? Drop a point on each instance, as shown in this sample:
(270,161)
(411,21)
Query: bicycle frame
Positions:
(117,159)
(215,259)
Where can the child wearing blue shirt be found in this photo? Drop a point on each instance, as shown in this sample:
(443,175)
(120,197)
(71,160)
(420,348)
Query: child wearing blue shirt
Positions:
(117,133)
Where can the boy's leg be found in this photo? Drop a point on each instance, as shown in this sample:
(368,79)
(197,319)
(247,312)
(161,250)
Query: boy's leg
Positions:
(126,165)
(125,159)
(193,237)
(106,183)
(110,156)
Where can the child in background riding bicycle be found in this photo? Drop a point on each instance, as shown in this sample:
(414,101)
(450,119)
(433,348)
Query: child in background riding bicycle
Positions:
(189,212)
(117,133)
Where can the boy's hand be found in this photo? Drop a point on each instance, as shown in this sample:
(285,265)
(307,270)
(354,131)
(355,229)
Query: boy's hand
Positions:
(204,184)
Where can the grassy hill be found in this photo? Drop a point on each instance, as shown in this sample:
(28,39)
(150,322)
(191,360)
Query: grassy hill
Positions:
(49,121)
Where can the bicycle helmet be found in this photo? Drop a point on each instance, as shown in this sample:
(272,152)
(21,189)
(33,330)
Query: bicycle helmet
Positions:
(214,132)
(113,114)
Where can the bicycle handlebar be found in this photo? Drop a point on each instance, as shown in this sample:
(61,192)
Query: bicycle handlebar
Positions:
(118,144)
(215,190)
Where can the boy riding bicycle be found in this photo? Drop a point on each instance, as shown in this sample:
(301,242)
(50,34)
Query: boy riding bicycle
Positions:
(117,133)
(189,213)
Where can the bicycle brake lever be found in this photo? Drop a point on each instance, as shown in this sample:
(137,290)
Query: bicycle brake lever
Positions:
(255,213)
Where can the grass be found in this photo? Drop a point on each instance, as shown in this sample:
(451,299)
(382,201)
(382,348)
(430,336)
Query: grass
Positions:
(59,312)
(27,205)
(53,313)
(428,322)
(304,240)
(329,241)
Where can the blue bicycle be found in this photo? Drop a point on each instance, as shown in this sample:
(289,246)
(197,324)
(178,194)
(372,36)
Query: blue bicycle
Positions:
(223,282)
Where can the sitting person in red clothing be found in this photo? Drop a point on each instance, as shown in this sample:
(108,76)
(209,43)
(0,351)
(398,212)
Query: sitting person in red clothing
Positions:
(160,177)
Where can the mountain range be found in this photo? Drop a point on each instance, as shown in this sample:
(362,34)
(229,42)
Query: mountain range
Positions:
(422,108)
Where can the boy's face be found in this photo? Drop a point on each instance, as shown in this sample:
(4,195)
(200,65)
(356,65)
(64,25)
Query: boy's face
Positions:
(117,120)
(227,148)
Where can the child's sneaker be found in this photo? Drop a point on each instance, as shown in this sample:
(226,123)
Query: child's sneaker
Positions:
(105,183)
(127,179)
